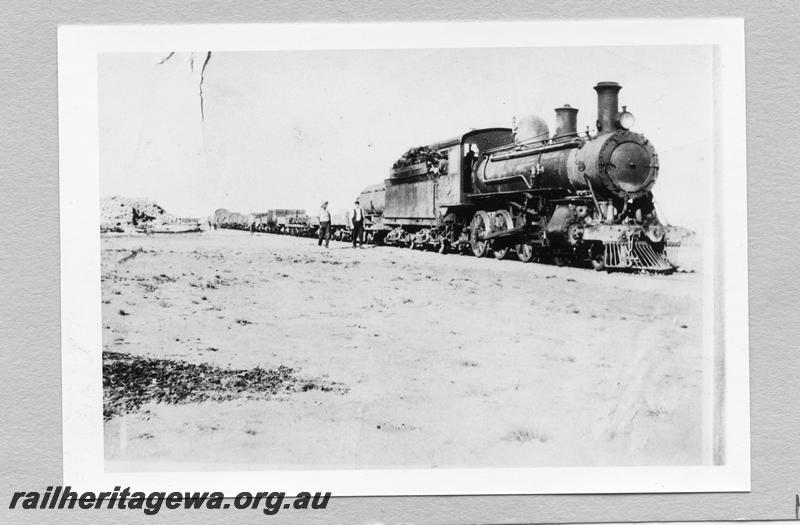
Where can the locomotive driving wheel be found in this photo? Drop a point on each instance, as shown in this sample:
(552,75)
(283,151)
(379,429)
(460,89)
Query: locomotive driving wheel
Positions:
(502,221)
(525,252)
(479,227)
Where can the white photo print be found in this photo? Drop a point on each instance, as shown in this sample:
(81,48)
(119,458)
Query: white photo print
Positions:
(402,262)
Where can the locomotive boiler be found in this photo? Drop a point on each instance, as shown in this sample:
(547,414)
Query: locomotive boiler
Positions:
(565,197)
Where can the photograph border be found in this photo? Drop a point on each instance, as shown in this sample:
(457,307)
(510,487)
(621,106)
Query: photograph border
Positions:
(81,322)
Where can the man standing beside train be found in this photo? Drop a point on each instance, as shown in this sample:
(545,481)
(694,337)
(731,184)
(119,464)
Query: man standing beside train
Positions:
(357,218)
(324,217)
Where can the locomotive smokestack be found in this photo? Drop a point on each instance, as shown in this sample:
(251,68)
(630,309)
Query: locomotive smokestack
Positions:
(566,121)
(607,105)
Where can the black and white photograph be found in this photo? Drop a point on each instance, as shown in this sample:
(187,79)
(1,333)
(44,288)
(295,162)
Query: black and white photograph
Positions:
(405,259)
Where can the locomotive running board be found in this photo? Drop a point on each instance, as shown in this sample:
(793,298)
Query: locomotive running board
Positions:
(495,194)
(635,256)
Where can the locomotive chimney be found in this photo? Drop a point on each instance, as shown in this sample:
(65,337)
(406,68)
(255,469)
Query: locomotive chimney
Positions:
(607,106)
(566,121)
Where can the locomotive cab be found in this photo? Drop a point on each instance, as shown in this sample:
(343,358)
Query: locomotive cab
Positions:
(475,145)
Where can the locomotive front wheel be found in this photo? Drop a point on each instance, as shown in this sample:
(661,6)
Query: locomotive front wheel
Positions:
(478,229)
(598,259)
(599,264)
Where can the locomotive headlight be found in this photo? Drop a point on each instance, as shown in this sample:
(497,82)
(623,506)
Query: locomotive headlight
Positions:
(625,120)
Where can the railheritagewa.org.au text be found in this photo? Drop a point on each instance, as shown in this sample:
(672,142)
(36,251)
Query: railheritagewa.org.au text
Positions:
(152,503)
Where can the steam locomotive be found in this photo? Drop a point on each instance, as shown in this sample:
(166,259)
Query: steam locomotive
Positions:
(567,198)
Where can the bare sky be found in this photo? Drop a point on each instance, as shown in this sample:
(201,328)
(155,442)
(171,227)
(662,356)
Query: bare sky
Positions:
(285,129)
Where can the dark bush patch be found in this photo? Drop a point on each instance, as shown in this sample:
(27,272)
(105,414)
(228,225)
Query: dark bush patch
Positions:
(131,381)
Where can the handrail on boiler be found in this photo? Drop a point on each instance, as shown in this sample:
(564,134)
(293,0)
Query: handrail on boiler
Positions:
(544,149)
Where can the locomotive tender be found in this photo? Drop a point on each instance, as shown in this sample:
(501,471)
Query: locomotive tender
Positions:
(569,197)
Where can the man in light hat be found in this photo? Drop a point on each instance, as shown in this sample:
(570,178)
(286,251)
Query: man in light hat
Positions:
(357,218)
(324,217)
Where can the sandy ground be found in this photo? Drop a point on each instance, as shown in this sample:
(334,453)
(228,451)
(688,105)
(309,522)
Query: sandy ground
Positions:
(439,361)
